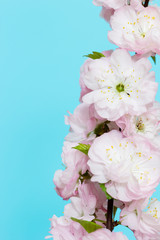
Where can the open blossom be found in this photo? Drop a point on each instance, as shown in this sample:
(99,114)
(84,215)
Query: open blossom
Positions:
(115,4)
(128,167)
(87,204)
(146,125)
(64,228)
(84,70)
(66,181)
(118,85)
(105,234)
(136,31)
(85,124)
(79,210)
(144,223)
(82,207)
(108,6)
(81,123)
(90,203)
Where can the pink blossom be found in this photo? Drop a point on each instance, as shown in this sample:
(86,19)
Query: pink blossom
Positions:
(65,229)
(137,4)
(82,207)
(128,167)
(84,122)
(145,224)
(146,125)
(67,181)
(84,70)
(81,123)
(84,89)
(105,234)
(131,213)
(89,204)
(106,13)
(78,210)
(115,4)
(118,85)
(136,31)
(109,7)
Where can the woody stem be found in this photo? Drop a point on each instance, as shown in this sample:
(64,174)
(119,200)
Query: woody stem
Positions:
(146,3)
(109,224)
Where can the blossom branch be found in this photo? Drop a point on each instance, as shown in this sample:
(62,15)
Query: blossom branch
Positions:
(114,96)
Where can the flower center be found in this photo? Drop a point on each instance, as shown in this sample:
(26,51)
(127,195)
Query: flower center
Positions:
(140,125)
(120,87)
(143,35)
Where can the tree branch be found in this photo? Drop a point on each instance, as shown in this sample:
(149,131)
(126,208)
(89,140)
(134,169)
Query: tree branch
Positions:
(109,224)
(146,3)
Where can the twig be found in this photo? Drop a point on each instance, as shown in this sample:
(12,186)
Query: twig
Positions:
(109,224)
(146,3)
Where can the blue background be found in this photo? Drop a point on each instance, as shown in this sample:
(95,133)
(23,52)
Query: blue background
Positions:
(42,43)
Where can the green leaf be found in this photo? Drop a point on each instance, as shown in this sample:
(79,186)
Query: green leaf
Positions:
(95,55)
(83,148)
(102,185)
(88,226)
(154,59)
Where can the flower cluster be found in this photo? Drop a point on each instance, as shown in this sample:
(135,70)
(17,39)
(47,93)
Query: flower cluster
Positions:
(112,152)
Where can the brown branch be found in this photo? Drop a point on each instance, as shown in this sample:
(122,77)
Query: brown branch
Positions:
(146,3)
(109,224)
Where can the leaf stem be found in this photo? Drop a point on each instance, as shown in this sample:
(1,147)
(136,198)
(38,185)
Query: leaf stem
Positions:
(116,223)
(98,220)
(109,224)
